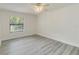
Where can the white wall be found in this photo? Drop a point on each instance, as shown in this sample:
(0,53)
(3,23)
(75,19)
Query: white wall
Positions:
(61,25)
(29,24)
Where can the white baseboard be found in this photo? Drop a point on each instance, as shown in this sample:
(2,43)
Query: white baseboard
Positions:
(58,39)
(3,39)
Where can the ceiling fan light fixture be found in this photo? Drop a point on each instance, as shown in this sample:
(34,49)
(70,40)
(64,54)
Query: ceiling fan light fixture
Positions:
(39,7)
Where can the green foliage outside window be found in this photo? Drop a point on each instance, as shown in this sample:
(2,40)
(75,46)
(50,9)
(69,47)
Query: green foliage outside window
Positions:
(16,24)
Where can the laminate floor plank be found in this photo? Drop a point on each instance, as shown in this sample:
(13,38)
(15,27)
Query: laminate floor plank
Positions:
(36,45)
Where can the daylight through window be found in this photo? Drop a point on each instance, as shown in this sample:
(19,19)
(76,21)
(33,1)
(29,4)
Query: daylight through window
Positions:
(16,24)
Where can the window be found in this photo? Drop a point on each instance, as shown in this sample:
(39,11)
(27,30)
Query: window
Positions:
(16,24)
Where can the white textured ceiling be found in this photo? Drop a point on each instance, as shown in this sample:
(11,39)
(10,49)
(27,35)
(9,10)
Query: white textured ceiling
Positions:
(28,7)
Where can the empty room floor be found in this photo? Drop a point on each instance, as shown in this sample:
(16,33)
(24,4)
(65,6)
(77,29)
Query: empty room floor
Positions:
(36,45)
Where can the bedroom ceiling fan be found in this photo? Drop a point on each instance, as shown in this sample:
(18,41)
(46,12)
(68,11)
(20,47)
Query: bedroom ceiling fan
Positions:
(39,7)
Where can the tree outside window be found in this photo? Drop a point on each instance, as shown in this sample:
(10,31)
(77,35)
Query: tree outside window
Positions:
(16,24)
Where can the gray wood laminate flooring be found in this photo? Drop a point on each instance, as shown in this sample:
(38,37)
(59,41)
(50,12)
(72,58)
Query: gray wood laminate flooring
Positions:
(36,45)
